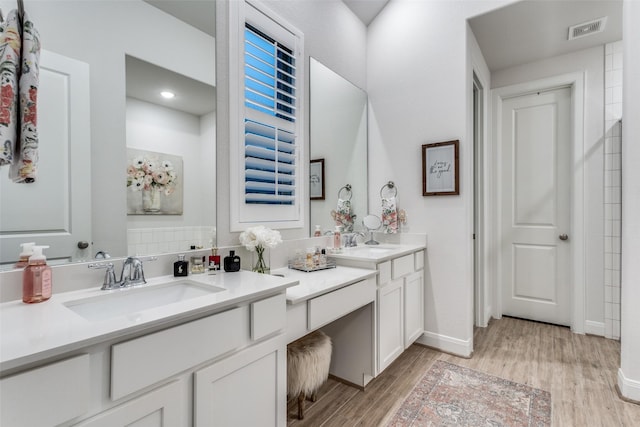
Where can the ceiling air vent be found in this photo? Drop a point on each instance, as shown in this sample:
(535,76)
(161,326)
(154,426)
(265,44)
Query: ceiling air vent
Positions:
(587,28)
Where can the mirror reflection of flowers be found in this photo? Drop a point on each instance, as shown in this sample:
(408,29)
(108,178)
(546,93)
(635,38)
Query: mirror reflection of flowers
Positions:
(145,174)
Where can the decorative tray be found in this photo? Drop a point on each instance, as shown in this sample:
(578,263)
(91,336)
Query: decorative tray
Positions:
(302,266)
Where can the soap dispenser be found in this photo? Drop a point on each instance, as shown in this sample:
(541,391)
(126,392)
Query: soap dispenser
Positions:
(232,262)
(27,251)
(337,240)
(36,279)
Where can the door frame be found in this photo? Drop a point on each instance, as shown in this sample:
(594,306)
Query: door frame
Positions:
(575,81)
(482,299)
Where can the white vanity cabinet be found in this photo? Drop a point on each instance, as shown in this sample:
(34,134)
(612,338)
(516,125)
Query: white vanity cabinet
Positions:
(400,306)
(400,299)
(221,367)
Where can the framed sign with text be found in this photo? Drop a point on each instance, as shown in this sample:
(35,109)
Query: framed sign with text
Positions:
(440,169)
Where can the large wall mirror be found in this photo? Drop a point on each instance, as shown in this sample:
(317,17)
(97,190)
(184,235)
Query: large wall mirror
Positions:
(103,63)
(338,129)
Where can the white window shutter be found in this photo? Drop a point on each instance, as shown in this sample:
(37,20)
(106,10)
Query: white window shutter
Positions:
(268,156)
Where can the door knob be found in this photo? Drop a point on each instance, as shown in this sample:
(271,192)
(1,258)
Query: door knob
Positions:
(83,244)
(563,236)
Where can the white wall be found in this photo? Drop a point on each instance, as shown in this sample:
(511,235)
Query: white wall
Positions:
(100,33)
(340,46)
(419,92)
(629,374)
(591,63)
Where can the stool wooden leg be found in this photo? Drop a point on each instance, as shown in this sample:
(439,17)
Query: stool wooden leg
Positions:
(314,396)
(301,398)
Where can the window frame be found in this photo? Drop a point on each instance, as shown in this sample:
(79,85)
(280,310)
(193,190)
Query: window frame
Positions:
(242,214)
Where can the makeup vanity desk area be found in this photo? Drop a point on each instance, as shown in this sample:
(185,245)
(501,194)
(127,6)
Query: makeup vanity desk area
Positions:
(371,305)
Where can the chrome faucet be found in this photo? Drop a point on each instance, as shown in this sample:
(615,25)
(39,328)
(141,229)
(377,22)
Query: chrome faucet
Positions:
(350,239)
(132,273)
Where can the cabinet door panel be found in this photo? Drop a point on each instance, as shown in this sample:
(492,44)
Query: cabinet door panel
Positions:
(160,408)
(413,308)
(248,389)
(390,323)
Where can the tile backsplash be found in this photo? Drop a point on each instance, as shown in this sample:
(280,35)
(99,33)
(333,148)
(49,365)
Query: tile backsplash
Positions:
(168,239)
(612,187)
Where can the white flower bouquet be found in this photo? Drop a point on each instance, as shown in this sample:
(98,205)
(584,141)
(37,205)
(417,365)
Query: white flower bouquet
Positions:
(260,237)
(257,239)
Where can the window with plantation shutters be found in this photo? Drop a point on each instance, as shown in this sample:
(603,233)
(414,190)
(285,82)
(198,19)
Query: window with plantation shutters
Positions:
(268,155)
(269,126)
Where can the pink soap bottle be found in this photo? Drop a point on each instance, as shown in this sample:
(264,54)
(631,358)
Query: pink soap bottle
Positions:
(27,251)
(36,279)
(337,239)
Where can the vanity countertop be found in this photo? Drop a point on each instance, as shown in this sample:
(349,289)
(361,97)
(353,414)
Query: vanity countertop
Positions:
(377,253)
(320,282)
(34,332)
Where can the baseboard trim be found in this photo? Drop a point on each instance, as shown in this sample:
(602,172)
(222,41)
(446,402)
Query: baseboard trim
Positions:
(594,328)
(458,347)
(628,388)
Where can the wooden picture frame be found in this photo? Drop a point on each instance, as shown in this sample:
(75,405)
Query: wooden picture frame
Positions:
(316,179)
(440,169)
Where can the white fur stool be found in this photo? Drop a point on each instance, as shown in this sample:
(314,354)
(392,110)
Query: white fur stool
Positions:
(308,361)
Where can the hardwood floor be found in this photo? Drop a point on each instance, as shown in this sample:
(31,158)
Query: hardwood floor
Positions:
(580,371)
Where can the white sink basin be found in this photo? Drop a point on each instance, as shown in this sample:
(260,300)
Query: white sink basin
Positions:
(132,300)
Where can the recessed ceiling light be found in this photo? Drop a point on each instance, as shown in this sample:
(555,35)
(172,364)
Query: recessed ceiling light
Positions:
(167,95)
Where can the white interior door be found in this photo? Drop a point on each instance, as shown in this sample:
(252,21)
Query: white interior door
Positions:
(54,210)
(535,174)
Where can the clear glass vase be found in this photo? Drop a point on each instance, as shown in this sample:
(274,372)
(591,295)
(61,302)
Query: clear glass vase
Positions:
(260,265)
(151,199)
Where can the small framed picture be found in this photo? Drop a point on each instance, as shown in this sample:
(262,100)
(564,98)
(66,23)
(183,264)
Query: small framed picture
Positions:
(440,169)
(316,179)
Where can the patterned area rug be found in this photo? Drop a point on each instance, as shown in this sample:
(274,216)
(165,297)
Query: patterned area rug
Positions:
(450,395)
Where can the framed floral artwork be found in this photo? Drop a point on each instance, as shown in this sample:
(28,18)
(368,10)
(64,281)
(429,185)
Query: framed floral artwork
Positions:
(154,183)
(440,169)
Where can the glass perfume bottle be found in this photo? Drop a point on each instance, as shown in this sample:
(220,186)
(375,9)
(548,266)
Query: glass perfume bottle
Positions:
(232,262)
(181,267)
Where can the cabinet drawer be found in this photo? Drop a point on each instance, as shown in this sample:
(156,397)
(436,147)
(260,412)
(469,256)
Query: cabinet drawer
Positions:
(384,273)
(46,396)
(268,316)
(402,266)
(329,307)
(144,361)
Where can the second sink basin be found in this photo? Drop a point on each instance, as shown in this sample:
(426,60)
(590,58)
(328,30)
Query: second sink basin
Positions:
(131,300)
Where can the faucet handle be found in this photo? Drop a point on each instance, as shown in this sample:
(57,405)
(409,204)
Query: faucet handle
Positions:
(109,281)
